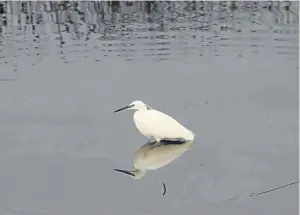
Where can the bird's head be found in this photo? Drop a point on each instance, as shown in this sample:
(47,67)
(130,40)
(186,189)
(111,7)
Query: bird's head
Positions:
(136,105)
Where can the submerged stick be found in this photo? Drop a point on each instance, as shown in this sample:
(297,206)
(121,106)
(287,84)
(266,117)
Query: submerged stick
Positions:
(277,188)
(165,189)
(267,191)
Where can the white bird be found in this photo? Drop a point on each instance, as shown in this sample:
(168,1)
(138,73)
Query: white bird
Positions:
(156,155)
(153,123)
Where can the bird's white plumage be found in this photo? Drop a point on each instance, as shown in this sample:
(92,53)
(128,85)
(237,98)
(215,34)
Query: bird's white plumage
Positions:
(153,123)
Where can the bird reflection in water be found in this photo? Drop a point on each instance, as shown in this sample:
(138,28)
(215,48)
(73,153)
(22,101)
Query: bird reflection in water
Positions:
(155,155)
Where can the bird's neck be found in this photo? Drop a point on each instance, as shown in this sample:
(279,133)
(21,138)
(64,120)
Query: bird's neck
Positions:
(142,109)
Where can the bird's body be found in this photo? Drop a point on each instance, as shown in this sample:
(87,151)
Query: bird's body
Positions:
(153,123)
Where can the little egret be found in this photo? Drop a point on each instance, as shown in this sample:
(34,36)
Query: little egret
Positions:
(153,123)
(156,155)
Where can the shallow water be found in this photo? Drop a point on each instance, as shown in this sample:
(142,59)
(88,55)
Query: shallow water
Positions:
(228,71)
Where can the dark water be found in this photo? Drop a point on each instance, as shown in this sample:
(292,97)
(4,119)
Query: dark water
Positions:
(226,70)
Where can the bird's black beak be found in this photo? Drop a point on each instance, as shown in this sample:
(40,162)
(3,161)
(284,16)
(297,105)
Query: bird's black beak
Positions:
(123,108)
(125,171)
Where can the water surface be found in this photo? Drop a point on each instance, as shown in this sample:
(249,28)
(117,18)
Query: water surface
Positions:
(228,71)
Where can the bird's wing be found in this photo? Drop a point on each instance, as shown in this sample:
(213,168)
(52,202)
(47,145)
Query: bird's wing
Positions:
(159,117)
(163,125)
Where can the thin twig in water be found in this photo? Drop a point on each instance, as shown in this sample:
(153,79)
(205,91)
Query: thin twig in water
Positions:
(267,191)
(277,188)
(165,189)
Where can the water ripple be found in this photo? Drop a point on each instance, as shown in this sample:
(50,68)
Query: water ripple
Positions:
(158,30)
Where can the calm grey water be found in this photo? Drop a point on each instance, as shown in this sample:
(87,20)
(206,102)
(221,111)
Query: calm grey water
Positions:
(228,71)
